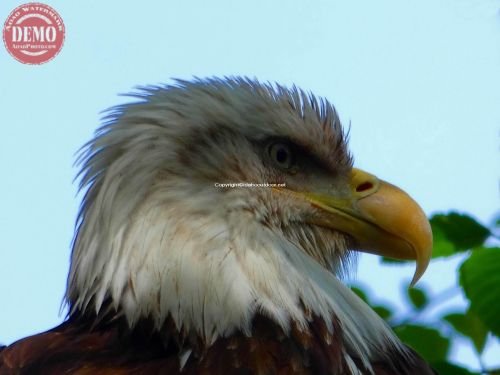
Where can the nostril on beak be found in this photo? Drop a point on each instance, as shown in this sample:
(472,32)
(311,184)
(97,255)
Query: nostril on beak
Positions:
(364,186)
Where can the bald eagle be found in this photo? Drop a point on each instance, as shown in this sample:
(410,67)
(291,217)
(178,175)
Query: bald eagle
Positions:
(218,218)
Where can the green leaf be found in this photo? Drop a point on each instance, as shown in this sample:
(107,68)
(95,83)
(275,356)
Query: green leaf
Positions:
(447,368)
(441,245)
(428,342)
(458,230)
(383,311)
(471,326)
(480,279)
(417,297)
(360,293)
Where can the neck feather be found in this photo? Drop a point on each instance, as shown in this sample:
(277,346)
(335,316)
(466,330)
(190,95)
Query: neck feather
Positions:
(211,275)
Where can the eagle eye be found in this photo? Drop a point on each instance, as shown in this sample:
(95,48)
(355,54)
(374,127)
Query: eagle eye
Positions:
(281,155)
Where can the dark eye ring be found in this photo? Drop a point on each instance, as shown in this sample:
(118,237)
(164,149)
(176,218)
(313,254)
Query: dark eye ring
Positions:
(282,155)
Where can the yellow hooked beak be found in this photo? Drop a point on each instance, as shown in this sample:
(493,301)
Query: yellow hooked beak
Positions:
(381,218)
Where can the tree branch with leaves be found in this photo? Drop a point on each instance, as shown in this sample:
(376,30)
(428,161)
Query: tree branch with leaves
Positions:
(478,278)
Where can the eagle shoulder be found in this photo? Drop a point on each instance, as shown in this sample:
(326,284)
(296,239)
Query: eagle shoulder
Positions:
(112,348)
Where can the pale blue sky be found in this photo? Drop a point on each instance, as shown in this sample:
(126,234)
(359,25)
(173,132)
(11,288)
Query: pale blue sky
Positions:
(418,81)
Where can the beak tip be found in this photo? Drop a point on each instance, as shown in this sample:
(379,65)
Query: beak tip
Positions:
(416,277)
(422,262)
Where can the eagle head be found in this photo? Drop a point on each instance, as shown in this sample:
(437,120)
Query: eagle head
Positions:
(211,201)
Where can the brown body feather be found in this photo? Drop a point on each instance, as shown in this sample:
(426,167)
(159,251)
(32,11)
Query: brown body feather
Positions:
(74,348)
